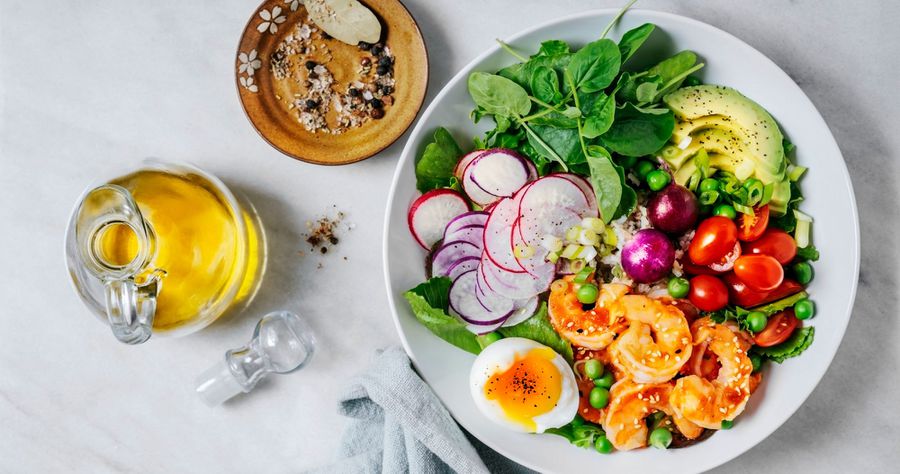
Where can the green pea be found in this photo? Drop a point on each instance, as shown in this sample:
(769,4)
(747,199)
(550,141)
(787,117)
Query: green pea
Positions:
(605,381)
(756,321)
(588,293)
(603,445)
(679,287)
(725,210)
(657,180)
(643,168)
(593,369)
(660,438)
(489,338)
(757,361)
(627,161)
(708,185)
(727,424)
(804,309)
(599,397)
(803,272)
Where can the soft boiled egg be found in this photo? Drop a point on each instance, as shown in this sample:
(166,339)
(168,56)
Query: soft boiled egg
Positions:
(524,385)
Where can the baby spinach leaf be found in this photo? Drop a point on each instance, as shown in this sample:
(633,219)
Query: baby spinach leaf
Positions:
(553,48)
(599,115)
(545,85)
(538,328)
(555,119)
(429,302)
(605,181)
(578,432)
(595,66)
(636,133)
(498,95)
(559,144)
(633,39)
(516,73)
(434,168)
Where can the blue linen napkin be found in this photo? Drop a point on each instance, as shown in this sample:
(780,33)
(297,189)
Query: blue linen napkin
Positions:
(399,425)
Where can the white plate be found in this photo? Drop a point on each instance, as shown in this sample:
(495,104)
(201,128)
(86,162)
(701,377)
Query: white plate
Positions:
(829,199)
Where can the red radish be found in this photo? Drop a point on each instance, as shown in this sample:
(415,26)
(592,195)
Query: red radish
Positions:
(586,188)
(498,236)
(494,174)
(524,310)
(464,162)
(516,285)
(430,213)
(473,234)
(550,206)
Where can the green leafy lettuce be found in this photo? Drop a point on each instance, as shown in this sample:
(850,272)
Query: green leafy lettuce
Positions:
(799,341)
(435,167)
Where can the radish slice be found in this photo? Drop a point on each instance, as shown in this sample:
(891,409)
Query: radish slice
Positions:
(525,309)
(475,193)
(550,206)
(464,162)
(461,266)
(499,172)
(515,285)
(498,235)
(451,252)
(465,303)
(431,212)
(586,188)
(465,220)
(473,234)
(482,330)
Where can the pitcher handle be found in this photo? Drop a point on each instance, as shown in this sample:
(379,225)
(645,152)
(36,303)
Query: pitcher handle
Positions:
(131,287)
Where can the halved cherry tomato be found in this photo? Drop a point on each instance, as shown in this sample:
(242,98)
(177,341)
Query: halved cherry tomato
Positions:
(752,228)
(708,293)
(714,238)
(775,243)
(778,329)
(742,295)
(727,262)
(759,272)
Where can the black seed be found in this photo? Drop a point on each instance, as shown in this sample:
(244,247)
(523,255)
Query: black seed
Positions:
(385,61)
(381,70)
(354,92)
(326,36)
(310,65)
(377,49)
(387,90)
(364,46)
(376,103)
(377,113)
(311,104)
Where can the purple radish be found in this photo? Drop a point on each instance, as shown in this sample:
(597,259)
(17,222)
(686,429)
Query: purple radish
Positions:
(472,233)
(465,303)
(516,285)
(464,162)
(450,253)
(465,220)
(430,213)
(499,172)
(524,310)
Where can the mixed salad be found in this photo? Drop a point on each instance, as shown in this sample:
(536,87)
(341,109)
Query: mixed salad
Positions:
(623,249)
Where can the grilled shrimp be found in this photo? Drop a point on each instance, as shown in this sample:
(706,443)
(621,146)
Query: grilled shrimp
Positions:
(592,328)
(709,402)
(630,404)
(657,342)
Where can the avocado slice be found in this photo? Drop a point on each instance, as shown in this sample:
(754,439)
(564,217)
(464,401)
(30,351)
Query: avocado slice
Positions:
(738,134)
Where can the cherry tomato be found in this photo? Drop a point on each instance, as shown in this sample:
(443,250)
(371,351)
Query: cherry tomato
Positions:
(774,243)
(715,237)
(759,272)
(691,269)
(727,262)
(708,293)
(752,228)
(779,329)
(741,294)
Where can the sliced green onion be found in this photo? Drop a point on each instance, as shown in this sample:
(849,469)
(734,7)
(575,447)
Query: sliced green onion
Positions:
(609,238)
(729,183)
(694,181)
(803,229)
(593,224)
(708,197)
(588,237)
(572,233)
(767,194)
(523,251)
(743,209)
(552,257)
(741,195)
(755,190)
(577,265)
(794,172)
(572,251)
(584,275)
(802,217)
(552,243)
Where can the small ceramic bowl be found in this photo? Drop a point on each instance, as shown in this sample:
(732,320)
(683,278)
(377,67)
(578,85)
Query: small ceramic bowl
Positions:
(275,101)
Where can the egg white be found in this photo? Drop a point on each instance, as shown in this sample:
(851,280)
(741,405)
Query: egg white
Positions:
(499,357)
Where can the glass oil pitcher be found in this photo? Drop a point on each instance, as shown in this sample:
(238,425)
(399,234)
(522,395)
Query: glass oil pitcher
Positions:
(164,249)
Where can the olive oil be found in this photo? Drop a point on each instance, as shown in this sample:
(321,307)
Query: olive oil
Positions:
(207,258)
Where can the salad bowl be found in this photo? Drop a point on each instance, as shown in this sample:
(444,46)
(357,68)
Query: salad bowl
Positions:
(828,196)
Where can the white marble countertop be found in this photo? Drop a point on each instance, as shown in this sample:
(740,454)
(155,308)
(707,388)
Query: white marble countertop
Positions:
(89,87)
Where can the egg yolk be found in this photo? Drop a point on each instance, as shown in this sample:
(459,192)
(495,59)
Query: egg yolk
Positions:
(530,387)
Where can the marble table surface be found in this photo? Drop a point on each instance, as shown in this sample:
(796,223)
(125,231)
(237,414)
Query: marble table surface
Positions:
(90,87)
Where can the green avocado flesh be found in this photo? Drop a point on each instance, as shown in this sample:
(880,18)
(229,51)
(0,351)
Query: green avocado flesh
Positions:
(738,135)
